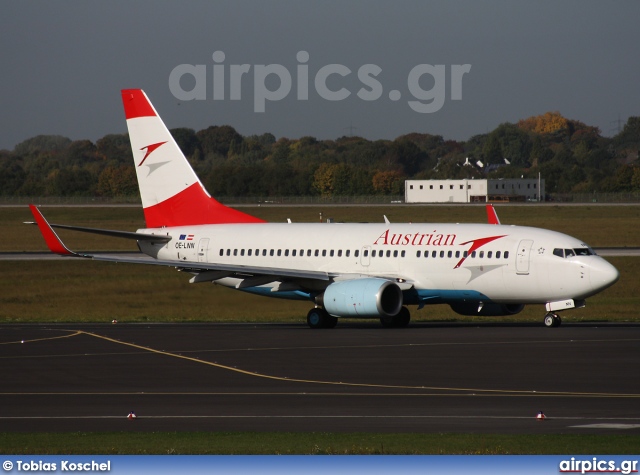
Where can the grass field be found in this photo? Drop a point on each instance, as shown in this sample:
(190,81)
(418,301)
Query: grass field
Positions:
(85,291)
(229,443)
(88,291)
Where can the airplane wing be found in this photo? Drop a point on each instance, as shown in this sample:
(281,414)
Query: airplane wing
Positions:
(203,272)
(215,271)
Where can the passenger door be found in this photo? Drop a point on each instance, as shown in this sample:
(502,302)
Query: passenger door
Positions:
(522,257)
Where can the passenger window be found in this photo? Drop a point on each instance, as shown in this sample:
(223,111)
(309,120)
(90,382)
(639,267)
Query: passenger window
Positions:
(441,253)
(473,254)
(264,252)
(339,252)
(242,252)
(293,253)
(348,251)
(228,252)
(271,252)
(324,253)
(222,252)
(434,254)
(506,254)
(418,253)
(465,254)
(389,253)
(331,253)
(309,253)
(235,252)
(402,254)
(317,253)
(286,252)
(457,254)
(366,253)
(450,254)
(249,252)
(481,254)
(373,253)
(497,254)
(489,254)
(356,253)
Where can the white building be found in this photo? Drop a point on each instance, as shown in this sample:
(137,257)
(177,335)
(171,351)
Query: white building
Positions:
(473,191)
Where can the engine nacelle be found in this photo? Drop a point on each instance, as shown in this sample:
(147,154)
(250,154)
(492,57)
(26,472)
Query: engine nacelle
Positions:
(470,309)
(363,298)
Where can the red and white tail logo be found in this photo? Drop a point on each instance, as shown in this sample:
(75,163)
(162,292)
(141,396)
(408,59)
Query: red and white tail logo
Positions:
(172,194)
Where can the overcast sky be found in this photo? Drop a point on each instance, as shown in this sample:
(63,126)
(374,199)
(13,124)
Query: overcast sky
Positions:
(64,63)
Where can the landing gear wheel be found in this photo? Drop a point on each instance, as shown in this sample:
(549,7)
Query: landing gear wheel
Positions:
(400,320)
(403,318)
(552,320)
(319,318)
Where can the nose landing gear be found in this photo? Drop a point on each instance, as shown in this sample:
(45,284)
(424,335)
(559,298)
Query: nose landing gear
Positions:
(552,320)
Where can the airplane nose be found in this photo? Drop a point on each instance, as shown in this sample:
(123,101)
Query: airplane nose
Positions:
(602,274)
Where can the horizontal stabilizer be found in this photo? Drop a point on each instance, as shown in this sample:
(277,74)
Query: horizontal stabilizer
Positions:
(112,233)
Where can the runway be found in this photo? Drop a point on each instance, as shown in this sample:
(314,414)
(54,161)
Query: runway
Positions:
(357,377)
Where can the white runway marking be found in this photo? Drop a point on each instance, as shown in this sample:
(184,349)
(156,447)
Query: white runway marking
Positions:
(608,426)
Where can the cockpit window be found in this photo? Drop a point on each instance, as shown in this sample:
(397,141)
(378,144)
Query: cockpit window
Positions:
(566,253)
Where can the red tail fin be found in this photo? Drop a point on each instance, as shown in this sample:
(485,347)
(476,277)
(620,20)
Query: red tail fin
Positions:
(172,194)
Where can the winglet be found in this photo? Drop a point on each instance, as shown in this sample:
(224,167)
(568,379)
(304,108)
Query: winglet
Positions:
(492,216)
(50,237)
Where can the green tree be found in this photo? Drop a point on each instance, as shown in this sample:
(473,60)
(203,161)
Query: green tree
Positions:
(186,140)
(117,181)
(216,140)
(115,148)
(42,143)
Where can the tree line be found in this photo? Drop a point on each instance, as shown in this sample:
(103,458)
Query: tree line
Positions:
(571,156)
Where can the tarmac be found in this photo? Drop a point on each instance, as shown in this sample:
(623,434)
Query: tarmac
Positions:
(358,377)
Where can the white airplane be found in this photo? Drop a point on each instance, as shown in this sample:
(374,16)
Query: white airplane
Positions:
(363,270)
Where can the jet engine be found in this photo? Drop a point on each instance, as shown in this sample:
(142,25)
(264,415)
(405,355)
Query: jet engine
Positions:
(470,309)
(369,297)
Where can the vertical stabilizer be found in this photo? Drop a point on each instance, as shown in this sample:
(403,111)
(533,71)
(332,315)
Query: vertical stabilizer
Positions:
(172,194)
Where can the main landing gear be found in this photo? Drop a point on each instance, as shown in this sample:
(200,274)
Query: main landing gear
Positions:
(552,320)
(320,318)
(397,321)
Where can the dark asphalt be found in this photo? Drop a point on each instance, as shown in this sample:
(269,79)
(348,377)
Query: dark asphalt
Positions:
(357,377)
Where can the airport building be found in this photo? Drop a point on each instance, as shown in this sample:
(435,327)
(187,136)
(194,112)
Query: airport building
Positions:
(474,191)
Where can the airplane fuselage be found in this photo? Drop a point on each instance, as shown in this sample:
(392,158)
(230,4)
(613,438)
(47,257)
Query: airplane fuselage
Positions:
(437,263)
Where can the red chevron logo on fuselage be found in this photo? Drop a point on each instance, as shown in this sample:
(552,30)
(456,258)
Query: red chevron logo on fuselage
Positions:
(475,245)
(150,148)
